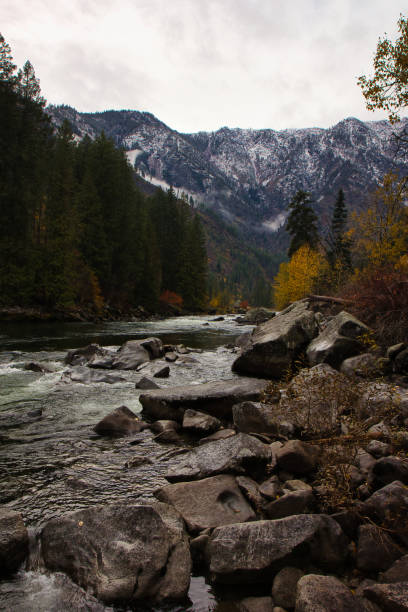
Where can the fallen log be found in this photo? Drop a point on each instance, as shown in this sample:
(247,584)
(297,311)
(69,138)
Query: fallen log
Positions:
(329,298)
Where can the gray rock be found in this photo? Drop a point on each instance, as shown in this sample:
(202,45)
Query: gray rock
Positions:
(250,489)
(297,485)
(338,341)
(236,455)
(86,376)
(13,541)
(121,553)
(253,551)
(364,365)
(275,344)
(171,356)
(398,572)
(393,351)
(166,430)
(221,434)
(284,586)
(389,506)
(317,593)
(154,347)
(376,550)
(255,316)
(119,422)
(199,422)
(130,356)
(271,487)
(295,502)
(35,366)
(210,502)
(297,457)
(390,597)
(401,362)
(251,417)
(81,356)
(145,384)
(163,372)
(215,398)
(378,449)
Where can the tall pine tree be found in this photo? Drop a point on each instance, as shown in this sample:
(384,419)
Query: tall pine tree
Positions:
(301,222)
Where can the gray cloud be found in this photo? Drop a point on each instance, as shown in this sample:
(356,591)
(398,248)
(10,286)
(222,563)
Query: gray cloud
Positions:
(202,64)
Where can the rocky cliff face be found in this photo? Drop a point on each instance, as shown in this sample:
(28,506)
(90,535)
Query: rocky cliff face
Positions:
(249,176)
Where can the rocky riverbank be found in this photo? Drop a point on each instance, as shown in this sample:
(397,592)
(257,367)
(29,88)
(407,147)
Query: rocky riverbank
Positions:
(292,483)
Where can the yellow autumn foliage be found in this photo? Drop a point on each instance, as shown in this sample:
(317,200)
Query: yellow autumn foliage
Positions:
(298,277)
(380,233)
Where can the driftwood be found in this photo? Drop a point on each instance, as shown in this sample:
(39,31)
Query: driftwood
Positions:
(329,298)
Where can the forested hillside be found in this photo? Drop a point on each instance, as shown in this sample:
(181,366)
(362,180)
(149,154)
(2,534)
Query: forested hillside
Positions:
(74,228)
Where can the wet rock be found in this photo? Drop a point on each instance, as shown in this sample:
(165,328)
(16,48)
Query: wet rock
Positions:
(398,572)
(154,347)
(215,398)
(297,457)
(251,417)
(317,593)
(130,356)
(340,339)
(208,503)
(255,604)
(82,374)
(166,430)
(200,423)
(136,461)
(35,366)
(376,550)
(218,319)
(13,541)
(221,434)
(390,597)
(275,344)
(145,384)
(171,356)
(81,356)
(121,553)
(284,586)
(163,372)
(389,469)
(253,551)
(237,455)
(119,422)
(295,502)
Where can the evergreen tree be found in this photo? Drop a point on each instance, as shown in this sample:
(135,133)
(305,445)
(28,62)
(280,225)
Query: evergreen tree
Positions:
(339,245)
(302,222)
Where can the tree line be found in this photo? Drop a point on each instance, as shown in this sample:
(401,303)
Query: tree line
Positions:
(74,228)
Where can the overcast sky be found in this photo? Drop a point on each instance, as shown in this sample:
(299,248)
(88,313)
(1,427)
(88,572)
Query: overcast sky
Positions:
(203,64)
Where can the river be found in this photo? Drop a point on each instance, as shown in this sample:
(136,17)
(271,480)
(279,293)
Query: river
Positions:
(51,461)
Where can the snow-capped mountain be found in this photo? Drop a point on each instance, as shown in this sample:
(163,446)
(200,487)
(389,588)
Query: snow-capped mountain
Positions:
(250,175)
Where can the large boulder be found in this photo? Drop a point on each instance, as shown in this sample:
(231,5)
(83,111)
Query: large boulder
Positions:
(293,502)
(254,551)
(376,550)
(215,398)
(340,339)
(86,376)
(119,422)
(297,457)
(317,593)
(81,356)
(208,503)
(390,597)
(237,455)
(121,553)
(255,316)
(275,344)
(130,356)
(13,541)
(284,586)
(200,423)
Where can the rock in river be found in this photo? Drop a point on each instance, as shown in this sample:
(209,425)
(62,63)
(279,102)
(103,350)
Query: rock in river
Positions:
(275,344)
(215,398)
(121,553)
(119,422)
(237,455)
(13,541)
(210,502)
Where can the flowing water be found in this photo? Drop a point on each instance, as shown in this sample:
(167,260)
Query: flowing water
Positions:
(51,461)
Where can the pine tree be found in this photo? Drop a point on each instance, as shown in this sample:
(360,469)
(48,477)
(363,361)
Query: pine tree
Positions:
(302,222)
(339,245)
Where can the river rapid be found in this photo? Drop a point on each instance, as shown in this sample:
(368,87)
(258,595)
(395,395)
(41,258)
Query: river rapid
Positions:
(51,461)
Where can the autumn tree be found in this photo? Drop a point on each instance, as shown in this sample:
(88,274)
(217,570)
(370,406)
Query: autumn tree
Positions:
(299,277)
(301,222)
(388,88)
